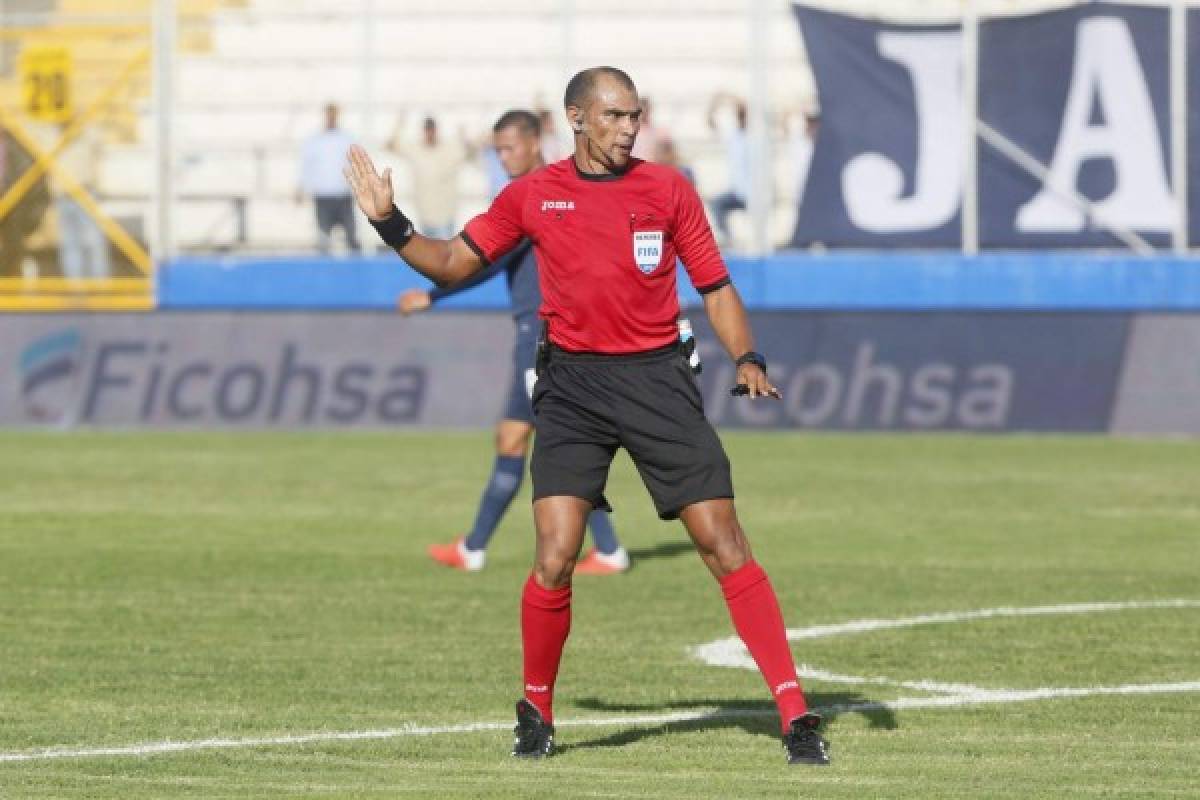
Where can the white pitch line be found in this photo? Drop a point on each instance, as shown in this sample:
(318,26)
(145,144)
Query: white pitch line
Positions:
(157,748)
(817,674)
(730,652)
(982,697)
(988,696)
(721,653)
(863,625)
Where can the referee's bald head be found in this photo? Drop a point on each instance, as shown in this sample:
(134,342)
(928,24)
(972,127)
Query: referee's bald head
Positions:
(581,86)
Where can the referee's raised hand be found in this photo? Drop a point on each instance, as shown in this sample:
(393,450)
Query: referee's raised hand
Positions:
(372,191)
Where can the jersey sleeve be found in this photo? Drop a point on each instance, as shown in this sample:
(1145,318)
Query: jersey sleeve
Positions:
(694,240)
(499,229)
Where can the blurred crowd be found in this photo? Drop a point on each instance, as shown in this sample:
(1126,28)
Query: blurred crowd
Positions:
(54,225)
(434,160)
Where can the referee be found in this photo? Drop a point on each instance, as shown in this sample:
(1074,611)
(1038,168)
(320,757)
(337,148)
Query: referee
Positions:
(607,229)
(516,137)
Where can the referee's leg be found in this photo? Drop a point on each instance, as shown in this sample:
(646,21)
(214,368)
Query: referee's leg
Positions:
(753,606)
(546,599)
(719,538)
(560,521)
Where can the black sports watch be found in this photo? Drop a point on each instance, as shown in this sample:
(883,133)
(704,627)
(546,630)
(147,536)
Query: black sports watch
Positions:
(751,357)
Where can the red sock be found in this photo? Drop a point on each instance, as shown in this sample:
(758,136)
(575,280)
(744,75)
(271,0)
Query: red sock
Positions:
(757,619)
(545,623)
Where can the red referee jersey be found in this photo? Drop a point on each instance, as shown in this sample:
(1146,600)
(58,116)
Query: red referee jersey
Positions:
(606,247)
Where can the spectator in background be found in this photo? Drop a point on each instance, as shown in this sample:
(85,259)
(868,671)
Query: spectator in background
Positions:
(19,221)
(737,153)
(553,148)
(493,170)
(483,149)
(651,136)
(802,139)
(321,179)
(434,165)
(668,155)
(82,246)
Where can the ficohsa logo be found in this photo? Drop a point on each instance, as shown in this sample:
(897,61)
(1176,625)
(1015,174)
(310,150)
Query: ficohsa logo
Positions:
(49,375)
(147,381)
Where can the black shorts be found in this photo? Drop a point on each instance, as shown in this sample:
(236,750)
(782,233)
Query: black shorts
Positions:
(587,405)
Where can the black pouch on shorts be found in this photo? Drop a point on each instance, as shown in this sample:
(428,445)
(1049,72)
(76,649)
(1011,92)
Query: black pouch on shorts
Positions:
(542,356)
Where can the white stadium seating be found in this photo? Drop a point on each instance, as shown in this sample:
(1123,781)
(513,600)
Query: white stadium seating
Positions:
(246,101)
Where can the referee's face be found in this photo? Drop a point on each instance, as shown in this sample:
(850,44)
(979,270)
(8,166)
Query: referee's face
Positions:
(610,123)
(518,150)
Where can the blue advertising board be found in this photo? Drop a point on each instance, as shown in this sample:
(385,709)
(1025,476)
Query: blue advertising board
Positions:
(936,371)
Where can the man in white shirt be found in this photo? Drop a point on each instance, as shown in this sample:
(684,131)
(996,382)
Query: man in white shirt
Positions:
(82,246)
(434,164)
(737,149)
(321,179)
(802,139)
(652,137)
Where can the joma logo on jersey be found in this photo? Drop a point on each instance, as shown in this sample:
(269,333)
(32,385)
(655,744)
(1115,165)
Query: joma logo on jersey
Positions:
(558,205)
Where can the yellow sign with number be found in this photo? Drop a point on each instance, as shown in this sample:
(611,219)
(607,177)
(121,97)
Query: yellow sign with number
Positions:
(46,83)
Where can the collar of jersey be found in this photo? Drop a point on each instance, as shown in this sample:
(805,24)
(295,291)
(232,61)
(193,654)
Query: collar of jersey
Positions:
(597,176)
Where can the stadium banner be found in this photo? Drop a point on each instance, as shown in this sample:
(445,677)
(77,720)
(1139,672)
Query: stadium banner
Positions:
(1085,92)
(949,371)
(1082,91)
(1193,104)
(254,370)
(838,371)
(886,165)
(1159,390)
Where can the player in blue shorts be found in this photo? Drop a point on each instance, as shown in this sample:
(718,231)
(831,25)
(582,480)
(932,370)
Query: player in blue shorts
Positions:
(518,144)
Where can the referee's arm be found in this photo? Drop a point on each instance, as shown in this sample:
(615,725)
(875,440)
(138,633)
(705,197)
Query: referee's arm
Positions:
(443,262)
(732,326)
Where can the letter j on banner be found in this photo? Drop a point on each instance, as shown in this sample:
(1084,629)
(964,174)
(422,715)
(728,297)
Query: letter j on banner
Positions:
(887,166)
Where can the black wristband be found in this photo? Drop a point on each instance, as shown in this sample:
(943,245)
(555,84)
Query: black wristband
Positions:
(395,229)
(754,358)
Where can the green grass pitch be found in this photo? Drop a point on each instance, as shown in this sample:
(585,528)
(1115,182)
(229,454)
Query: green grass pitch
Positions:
(186,587)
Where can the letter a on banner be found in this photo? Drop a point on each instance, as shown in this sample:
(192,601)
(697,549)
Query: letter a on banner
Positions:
(1107,75)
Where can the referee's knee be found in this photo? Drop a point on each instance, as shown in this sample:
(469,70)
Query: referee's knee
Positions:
(553,571)
(718,536)
(730,552)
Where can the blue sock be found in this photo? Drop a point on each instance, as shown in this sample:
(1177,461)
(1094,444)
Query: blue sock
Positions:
(603,534)
(501,489)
